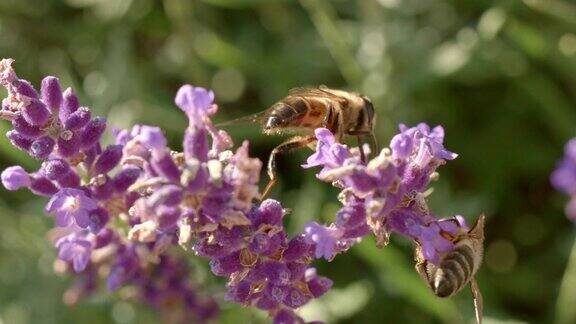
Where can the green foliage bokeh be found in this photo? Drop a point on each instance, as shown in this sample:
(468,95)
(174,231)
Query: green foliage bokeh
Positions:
(500,76)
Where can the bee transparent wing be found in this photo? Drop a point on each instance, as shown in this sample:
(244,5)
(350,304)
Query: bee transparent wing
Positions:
(320,91)
(477,297)
(250,119)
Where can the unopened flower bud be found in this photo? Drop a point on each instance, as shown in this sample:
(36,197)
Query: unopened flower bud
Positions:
(55,169)
(42,186)
(93,131)
(69,104)
(25,129)
(15,177)
(42,147)
(36,113)
(108,159)
(51,93)
(19,140)
(78,119)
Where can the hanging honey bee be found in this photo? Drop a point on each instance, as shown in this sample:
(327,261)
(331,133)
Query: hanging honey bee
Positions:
(305,109)
(457,268)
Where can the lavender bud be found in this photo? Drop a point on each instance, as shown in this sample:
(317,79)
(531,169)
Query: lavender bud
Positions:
(15,177)
(295,298)
(165,166)
(239,293)
(78,119)
(108,159)
(297,270)
(266,303)
(93,131)
(69,146)
(168,217)
(102,191)
(168,195)
(285,316)
(226,265)
(125,178)
(55,169)
(36,113)
(260,243)
(42,147)
(69,180)
(98,219)
(25,129)
(18,140)
(318,286)
(297,248)
(51,93)
(270,213)
(91,154)
(25,88)
(69,104)
(43,187)
(103,238)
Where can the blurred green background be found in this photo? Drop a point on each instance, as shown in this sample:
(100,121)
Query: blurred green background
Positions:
(500,76)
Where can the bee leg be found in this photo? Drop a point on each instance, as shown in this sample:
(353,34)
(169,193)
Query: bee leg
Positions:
(362,154)
(287,146)
(360,136)
(421,264)
(477,297)
(375,144)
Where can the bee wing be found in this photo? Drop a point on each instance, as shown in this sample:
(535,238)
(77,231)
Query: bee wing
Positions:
(254,118)
(320,91)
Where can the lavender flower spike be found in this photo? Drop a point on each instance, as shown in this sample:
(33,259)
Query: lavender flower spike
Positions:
(383,195)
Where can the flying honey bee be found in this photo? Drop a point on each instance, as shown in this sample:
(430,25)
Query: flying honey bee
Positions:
(458,267)
(304,110)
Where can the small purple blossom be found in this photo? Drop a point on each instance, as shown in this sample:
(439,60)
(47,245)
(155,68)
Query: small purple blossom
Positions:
(75,249)
(71,207)
(195,101)
(324,239)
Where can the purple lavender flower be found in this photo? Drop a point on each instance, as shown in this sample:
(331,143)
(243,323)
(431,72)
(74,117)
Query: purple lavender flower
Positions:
(383,195)
(75,249)
(325,239)
(71,207)
(563,178)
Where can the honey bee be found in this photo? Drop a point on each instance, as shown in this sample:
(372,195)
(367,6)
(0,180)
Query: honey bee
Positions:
(458,267)
(305,109)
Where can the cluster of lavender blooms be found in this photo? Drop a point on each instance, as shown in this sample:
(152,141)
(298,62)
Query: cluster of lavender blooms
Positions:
(563,178)
(385,195)
(119,209)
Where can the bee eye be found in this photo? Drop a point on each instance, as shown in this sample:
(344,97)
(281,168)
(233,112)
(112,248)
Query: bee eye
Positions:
(369,108)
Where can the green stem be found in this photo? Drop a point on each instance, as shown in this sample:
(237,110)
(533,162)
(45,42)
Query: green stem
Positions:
(565,310)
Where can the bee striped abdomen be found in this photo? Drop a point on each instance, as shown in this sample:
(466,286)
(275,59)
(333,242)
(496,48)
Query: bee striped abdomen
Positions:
(286,114)
(454,271)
